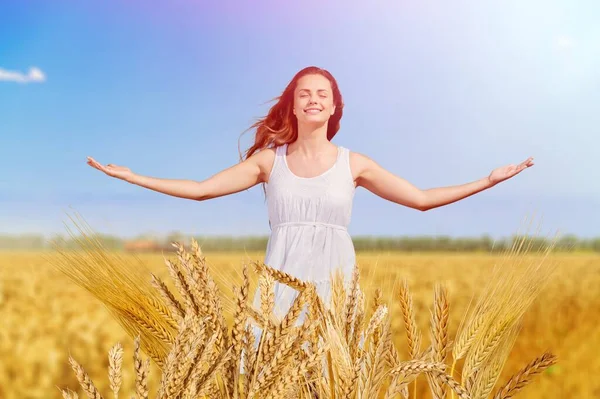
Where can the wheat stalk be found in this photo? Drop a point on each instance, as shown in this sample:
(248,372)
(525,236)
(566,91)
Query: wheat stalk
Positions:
(142,370)
(84,380)
(412,333)
(439,338)
(524,376)
(115,361)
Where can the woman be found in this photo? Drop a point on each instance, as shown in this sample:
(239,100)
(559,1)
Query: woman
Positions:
(309,183)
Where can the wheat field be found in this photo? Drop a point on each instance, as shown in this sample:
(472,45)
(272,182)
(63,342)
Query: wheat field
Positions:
(47,318)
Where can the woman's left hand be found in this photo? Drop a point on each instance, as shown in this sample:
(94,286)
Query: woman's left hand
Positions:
(506,172)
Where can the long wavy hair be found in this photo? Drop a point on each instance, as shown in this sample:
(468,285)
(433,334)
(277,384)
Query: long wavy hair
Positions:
(280,126)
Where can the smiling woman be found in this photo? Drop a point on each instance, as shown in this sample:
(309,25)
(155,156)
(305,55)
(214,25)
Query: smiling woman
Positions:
(309,184)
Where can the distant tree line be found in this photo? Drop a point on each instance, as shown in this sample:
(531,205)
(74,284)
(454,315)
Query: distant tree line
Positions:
(361,243)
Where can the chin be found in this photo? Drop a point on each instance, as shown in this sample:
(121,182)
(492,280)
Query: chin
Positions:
(314,118)
(314,121)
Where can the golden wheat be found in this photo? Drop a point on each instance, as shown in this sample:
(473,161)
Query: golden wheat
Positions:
(65,320)
(280,359)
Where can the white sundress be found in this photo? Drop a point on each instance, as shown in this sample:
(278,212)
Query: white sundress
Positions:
(309,218)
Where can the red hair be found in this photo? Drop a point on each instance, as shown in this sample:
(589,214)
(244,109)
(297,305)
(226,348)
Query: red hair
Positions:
(280,126)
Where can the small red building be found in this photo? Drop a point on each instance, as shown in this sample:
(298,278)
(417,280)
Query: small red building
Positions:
(142,246)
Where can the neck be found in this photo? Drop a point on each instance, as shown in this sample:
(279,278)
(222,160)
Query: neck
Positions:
(311,139)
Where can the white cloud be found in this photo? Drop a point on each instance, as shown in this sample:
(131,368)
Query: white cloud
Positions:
(34,75)
(564,42)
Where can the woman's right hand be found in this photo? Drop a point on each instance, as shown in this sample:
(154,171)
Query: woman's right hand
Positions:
(120,172)
(236,178)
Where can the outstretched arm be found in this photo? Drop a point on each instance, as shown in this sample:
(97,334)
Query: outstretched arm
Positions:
(381,182)
(234,179)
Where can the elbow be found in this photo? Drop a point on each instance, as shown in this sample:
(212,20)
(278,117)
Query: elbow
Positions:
(202,192)
(423,204)
(198,196)
(203,196)
(418,204)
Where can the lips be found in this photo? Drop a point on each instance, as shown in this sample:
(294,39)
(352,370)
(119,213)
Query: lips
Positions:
(312,111)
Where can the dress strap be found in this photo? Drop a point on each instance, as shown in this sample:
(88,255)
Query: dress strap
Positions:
(343,154)
(280,150)
(345,159)
(344,165)
(276,162)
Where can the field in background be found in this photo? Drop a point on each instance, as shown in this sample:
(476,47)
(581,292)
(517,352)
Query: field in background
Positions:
(46,317)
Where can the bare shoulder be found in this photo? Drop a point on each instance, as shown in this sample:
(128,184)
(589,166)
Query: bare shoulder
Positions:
(359,164)
(264,160)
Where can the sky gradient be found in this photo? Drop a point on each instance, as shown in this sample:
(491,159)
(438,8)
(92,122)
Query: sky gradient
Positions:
(437,93)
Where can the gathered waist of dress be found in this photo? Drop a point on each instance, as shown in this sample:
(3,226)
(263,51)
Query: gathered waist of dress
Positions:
(320,224)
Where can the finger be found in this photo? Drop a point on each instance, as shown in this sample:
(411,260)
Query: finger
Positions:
(523,166)
(100,166)
(96,165)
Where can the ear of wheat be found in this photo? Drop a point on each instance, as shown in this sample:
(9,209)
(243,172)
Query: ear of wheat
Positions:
(339,350)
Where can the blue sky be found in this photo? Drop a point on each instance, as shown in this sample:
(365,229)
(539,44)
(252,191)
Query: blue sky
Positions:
(438,93)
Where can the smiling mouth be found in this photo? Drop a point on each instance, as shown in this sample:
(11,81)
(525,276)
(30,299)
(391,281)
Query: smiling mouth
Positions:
(312,111)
